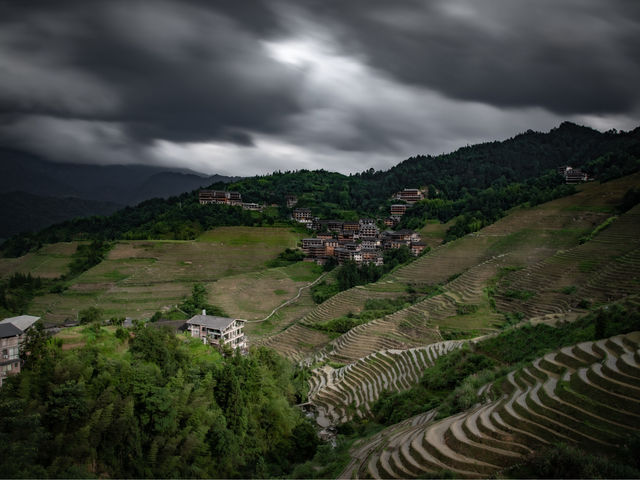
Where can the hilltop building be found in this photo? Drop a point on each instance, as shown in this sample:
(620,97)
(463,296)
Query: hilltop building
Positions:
(221,197)
(398,210)
(218,331)
(302,215)
(13,332)
(410,195)
(572,175)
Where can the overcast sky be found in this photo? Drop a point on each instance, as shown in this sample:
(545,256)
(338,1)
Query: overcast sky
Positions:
(249,87)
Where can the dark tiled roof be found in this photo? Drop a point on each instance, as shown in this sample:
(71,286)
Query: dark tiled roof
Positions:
(9,330)
(23,322)
(211,321)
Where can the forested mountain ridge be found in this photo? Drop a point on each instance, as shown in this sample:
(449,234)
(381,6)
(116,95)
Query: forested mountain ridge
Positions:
(476,184)
(468,169)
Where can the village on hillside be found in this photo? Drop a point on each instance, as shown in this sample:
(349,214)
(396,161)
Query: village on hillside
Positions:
(360,241)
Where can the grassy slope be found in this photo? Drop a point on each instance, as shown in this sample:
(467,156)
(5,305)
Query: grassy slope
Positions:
(49,262)
(522,238)
(141,277)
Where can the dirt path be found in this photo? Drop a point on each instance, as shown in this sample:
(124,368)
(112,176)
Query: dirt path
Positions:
(290,301)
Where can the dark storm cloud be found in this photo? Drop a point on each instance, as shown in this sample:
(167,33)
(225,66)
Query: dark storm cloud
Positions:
(240,87)
(177,71)
(569,56)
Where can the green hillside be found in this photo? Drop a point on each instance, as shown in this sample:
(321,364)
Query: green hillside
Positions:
(474,185)
(510,349)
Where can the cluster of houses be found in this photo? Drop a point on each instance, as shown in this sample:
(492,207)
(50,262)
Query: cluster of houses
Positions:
(222,197)
(13,332)
(572,175)
(361,242)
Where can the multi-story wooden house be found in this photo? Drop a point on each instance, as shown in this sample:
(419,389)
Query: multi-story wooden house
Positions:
(330,246)
(391,221)
(10,338)
(417,248)
(219,197)
(371,256)
(234,198)
(369,230)
(343,255)
(13,332)
(398,210)
(370,244)
(313,247)
(218,331)
(353,227)
(302,215)
(409,195)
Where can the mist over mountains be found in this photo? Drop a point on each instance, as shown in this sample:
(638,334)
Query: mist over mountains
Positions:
(36,193)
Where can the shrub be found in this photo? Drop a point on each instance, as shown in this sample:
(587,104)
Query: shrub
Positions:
(90,315)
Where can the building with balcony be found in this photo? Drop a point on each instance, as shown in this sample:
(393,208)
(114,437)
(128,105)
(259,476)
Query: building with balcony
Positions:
(369,230)
(410,195)
(218,331)
(13,332)
(302,215)
(313,247)
(219,197)
(398,210)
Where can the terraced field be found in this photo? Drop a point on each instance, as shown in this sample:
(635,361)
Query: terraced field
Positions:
(340,394)
(444,261)
(603,269)
(296,342)
(254,295)
(351,301)
(419,324)
(525,237)
(588,394)
(139,278)
(51,261)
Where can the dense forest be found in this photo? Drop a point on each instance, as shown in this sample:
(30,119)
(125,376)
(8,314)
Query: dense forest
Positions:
(474,185)
(166,406)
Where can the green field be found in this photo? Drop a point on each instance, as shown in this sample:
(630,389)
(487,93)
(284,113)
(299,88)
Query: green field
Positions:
(50,261)
(254,295)
(141,277)
(244,236)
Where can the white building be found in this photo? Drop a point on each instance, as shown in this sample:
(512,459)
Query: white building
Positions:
(13,332)
(218,330)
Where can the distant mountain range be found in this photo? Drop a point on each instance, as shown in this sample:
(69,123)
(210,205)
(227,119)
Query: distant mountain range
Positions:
(36,193)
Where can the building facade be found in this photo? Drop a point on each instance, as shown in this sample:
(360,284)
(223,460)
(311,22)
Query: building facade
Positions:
(13,332)
(218,331)
(219,197)
(302,215)
(410,195)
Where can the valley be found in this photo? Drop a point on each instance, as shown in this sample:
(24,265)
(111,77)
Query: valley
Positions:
(471,360)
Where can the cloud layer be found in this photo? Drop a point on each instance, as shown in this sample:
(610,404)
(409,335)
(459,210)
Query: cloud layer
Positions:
(238,88)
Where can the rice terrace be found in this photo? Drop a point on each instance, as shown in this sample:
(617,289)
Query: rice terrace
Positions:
(319,240)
